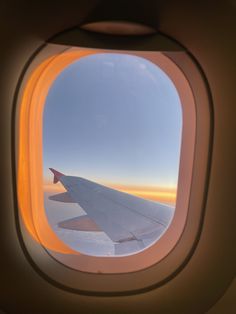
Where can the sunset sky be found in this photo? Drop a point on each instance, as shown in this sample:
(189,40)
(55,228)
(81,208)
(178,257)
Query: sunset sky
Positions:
(114,119)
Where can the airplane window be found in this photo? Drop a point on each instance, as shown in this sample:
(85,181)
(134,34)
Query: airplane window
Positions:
(112,128)
(105,152)
(111,148)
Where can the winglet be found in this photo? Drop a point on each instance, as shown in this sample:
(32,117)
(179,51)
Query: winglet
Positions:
(57,175)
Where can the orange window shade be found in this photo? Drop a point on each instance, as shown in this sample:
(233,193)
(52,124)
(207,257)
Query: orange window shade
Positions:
(30,179)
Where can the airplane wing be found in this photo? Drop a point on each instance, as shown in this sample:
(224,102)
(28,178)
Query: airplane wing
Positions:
(129,221)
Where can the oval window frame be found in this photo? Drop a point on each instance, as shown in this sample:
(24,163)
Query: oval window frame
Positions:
(76,279)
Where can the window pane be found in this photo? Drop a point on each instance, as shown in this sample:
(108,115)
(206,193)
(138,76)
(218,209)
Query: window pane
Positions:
(112,127)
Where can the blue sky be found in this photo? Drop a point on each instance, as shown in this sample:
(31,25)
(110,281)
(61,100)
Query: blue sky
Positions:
(113,118)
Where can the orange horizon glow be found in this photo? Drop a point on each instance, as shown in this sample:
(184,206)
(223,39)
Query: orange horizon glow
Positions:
(157,194)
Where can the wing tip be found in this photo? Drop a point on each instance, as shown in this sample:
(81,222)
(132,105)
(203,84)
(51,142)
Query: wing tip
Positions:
(57,175)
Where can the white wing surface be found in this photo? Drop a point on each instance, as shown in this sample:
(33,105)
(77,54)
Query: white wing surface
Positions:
(130,222)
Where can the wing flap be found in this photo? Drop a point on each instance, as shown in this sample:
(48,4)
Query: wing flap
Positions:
(80,223)
(129,247)
(62,197)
